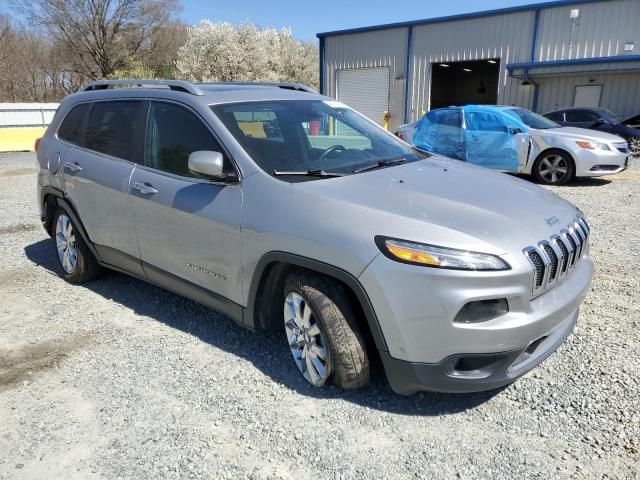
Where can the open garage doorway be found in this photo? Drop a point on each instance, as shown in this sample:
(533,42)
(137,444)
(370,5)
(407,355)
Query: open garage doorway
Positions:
(463,83)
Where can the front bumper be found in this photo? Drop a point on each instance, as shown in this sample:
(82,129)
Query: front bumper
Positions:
(596,163)
(428,350)
(474,372)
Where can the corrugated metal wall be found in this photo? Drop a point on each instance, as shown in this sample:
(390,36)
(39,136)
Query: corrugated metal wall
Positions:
(601,30)
(620,91)
(26,114)
(385,48)
(507,37)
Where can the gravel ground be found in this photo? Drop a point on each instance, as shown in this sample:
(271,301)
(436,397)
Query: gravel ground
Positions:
(120,379)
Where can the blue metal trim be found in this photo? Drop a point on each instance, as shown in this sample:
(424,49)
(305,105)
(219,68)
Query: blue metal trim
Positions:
(577,72)
(409,72)
(322,66)
(534,42)
(464,16)
(534,39)
(576,61)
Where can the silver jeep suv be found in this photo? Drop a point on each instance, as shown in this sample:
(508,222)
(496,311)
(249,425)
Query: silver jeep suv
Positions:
(289,211)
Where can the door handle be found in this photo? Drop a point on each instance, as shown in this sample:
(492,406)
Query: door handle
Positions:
(144,188)
(72,166)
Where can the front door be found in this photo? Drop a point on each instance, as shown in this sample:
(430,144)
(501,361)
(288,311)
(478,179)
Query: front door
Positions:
(490,143)
(188,227)
(96,179)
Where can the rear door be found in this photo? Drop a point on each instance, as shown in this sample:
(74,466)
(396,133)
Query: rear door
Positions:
(188,227)
(96,178)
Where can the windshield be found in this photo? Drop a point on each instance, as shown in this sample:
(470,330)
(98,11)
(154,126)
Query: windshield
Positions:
(532,120)
(610,116)
(310,135)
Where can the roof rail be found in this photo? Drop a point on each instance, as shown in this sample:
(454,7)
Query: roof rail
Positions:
(176,85)
(284,85)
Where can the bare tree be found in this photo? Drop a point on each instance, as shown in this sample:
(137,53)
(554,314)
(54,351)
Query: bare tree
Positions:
(104,35)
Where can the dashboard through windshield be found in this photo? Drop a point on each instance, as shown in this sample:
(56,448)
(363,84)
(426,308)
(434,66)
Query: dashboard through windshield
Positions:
(300,136)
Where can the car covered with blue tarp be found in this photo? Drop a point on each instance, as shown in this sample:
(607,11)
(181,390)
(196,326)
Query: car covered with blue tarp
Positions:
(517,140)
(479,134)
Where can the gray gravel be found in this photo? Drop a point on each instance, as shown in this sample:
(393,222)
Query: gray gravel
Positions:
(119,379)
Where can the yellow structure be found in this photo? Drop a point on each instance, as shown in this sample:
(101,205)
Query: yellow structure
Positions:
(17,139)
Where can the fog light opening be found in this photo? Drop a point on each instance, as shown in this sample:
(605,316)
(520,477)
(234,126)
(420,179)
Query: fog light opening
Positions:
(482,310)
(473,364)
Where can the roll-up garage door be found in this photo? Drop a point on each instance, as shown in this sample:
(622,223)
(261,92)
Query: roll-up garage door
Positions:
(365,90)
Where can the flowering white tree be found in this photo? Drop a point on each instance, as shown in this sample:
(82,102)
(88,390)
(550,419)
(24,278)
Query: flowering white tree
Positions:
(222,52)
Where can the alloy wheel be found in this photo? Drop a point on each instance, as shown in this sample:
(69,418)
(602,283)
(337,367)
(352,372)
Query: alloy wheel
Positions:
(553,168)
(66,244)
(308,347)
(634,146)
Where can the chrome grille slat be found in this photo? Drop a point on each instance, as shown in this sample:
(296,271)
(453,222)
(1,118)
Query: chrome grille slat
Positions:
(563,261)
(554,259)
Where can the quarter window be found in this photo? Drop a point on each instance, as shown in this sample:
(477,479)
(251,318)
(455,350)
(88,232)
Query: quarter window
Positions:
(173,134)
(113,128)
(555,116)
(71,127)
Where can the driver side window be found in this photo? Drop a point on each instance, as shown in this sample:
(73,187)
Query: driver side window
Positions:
(173,133)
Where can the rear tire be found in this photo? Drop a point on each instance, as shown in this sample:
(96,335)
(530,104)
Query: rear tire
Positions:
(322,333)
(75,260)
(554,167)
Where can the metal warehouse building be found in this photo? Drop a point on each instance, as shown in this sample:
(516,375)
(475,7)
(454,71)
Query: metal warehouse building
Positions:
(542,57)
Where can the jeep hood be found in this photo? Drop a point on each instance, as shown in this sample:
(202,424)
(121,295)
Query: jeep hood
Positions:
(447,202)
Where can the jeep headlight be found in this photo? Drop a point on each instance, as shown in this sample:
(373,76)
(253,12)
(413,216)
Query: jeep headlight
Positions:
(592,145)
(438,257)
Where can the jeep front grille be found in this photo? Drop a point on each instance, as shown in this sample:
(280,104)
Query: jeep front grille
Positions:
(553,259)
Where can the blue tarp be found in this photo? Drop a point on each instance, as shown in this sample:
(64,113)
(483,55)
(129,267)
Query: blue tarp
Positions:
(486,139)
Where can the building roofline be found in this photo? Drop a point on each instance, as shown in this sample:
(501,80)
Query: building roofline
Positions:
(463,16)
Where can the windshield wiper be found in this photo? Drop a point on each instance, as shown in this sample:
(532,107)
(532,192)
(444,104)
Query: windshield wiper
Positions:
(308,173)
(379,164)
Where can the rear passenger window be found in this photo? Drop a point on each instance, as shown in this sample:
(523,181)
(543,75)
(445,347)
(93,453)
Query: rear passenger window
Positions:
(173,133)
(113,128)
(71,127)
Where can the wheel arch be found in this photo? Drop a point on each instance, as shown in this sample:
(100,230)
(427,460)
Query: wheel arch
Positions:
(549,150)
(52,199)
(267,283)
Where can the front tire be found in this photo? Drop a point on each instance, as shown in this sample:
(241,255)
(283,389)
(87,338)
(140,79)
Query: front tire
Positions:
(322,333)
(75,260)
(634,146)
(554,167)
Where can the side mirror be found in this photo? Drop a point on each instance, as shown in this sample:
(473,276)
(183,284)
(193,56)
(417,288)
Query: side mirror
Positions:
(514,131)
(600,121)
(208,163)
